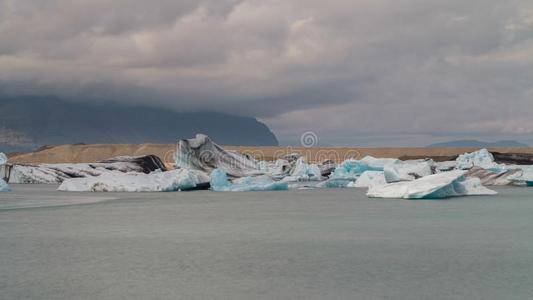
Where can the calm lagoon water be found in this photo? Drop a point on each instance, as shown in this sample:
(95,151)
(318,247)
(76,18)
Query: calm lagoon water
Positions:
(313,244)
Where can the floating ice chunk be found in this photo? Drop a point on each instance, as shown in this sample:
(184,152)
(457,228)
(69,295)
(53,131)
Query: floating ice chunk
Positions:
(278,169)
(351,169)
(221,183)
(437,186)
(170,181)
(523,177)
(407,171)
(481,158)
(303,171)
(202,154)
(4,187)
(489,178)
(57,173)
(368,179)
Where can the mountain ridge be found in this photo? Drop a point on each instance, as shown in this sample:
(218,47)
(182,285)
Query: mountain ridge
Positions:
(27,123)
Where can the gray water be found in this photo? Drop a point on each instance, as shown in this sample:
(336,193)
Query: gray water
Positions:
(319,244)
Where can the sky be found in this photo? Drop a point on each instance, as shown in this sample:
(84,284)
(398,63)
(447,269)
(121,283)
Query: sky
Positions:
(368,72)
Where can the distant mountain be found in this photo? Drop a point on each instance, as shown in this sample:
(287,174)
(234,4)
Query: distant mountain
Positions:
(27,123)
(478,144)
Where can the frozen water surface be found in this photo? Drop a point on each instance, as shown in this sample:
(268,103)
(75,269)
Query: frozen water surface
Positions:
(318,244)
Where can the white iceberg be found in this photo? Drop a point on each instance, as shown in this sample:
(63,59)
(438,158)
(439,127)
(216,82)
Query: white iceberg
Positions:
(523,177)
(220,183)
(4,187)
(407,171)
(437,186)
(3,159)
(303,171)
(170,181)
(368,179)
(481,158)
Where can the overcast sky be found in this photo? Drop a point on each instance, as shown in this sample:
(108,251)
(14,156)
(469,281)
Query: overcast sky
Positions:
(399,72)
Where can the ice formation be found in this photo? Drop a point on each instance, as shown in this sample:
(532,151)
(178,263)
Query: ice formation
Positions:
(368,179)
(407,171)
(57,173)
(437,186)
(489,178)
(220,183)
(202,154)
(349,171)
(481,158)
(302,171)
(4,187)
(114,181)
(524,176)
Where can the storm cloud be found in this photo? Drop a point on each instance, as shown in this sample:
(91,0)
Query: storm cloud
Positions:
(339,68)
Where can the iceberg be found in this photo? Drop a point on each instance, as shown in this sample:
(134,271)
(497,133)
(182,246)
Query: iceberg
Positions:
(489,178)
(349,171)
(220,183)
(4,187)
(303,171)
(523,177)
(3,159)
(437,186)
(368,179)
(57,173)
(114,181)
(407,171)
(202,154)
(481,158)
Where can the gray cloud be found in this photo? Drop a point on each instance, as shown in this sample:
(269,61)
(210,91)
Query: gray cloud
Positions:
(339,68)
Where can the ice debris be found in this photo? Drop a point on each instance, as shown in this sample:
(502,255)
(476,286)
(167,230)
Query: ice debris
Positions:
(220,183)
(437,186)
(170,181)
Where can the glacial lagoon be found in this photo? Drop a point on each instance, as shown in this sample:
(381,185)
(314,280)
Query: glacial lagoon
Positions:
(299,244)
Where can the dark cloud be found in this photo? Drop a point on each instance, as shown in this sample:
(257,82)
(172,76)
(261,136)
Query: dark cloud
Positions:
(340,68)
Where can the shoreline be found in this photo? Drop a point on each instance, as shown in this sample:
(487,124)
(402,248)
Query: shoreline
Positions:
(97,152)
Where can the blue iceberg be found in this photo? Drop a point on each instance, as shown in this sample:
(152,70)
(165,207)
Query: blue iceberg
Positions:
(350,170)
(4,187)
(221,183)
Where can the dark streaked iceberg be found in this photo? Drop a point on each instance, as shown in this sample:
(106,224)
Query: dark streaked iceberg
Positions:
(57,173)
(202,154)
